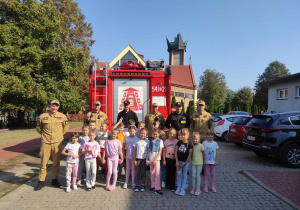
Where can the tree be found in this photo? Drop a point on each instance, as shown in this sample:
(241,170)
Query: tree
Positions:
(273,71)
(247,107)
(230,95)
(212,87)
(182,104)
(191,108)
(173,102)
(242,97)
(254,109)
(227,107)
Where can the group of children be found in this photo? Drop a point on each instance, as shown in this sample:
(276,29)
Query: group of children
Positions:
(168,158)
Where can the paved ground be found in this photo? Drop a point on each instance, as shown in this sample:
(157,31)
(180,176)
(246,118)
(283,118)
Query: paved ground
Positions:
(235,190)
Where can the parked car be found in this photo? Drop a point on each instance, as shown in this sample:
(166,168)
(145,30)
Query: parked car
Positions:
(221,125)
(275,134)
(214,115)
(237,129)
(239,113)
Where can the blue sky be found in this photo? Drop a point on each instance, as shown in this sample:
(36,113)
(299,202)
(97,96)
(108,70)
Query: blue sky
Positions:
(238,38)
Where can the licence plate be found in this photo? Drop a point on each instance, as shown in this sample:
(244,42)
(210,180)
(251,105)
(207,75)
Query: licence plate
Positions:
(232,129)
(251,138)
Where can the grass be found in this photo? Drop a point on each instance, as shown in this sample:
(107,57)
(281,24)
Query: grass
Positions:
(14,136)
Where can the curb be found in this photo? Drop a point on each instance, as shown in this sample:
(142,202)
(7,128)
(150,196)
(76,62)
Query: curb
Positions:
(258,182)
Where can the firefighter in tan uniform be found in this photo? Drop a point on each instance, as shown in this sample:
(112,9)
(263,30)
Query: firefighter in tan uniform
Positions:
(52,125)
(154,119)
(201,121)
(96,115)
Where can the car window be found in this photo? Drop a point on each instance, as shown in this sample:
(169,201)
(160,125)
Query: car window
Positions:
(242,120)
(262,120)
(231,119)
(295,120)
(217,119)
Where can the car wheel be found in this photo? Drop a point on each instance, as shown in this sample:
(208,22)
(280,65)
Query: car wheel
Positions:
(225,136)
(291,156)
(238,144)
(261,154)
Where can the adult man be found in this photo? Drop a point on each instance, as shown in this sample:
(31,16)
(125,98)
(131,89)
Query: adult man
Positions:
(96,115)
(52,125)
(201,121)
(126,114)
(154,119)
(178,119)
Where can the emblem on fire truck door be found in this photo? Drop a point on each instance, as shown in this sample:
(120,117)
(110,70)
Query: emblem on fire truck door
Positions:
(134,95)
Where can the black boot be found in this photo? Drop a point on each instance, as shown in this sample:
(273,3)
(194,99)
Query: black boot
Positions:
(55,183)
(40,185)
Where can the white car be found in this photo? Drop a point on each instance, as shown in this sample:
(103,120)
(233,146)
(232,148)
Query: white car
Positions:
(221,125)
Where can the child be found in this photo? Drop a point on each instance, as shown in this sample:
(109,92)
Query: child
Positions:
(102,137)
(141,126)
(197,161)
(82,140)
(128,146)
(153,158)
(163,169)
(71,150)
(139,155)
(211,147)
(91,150)
(121,137)
(113,149)
(183,154)
(169,158)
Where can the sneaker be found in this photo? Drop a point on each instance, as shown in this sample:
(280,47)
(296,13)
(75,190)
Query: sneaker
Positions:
(68,189)
(137,189)
(112,187)
(93,187)
(158,192)
(74,187)
(193,191)
(177,191)
(133,185)
(213,189)
(107,187)
(197,192)
(125,185)
(152,189)
(40,185)
(143,188)
(182,192)
(79,182)
(205,189)
(55,183)
(163,184)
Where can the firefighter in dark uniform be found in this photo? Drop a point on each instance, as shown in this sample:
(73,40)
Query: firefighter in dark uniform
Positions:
(127,115)
(201,121)
(178,119)
(154,119)
(52,125)
(96,115)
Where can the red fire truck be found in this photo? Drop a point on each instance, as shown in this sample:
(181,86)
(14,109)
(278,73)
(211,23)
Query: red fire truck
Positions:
(142,86)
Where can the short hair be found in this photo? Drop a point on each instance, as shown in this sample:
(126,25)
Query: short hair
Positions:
(105,123)
(85,126)
(75,134)
(142,123)
(156,130)
(131,122)
(92,121)
(122,124)
(131,127)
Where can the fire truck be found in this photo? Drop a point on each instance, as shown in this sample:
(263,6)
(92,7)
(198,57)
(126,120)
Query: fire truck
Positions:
(140,85)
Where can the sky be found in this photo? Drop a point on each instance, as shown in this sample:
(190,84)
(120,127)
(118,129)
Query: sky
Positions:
(238,38)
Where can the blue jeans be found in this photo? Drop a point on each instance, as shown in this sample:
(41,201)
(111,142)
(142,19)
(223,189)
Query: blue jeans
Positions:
(163,171)
(182,179)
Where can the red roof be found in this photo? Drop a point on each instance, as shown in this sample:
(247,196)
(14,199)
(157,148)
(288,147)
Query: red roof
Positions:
(182,75)
(99,64)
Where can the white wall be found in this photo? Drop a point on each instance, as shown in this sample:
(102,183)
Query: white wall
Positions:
(292,103)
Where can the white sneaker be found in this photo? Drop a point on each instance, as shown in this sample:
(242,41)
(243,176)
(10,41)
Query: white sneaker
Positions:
(125,185)
(74,187)
(163,184)
(68,189)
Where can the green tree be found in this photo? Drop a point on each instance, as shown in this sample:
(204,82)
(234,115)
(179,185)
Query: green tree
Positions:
(242,97)
(212,87)
(273,71)
(247,107)
(183,108)
(254,109)
(173,102)
(230,95)
(191,108)
(227,107)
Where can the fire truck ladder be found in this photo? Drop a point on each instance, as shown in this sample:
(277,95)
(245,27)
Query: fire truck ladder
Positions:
(100,85)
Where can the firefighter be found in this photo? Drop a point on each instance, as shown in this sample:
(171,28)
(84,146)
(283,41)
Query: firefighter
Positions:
(127,114)
(52,125)
(201,121)
(96,115)
(178,119)
(154,119)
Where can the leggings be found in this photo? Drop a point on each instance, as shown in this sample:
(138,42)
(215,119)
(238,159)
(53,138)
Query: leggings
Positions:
(71,167)
(140,172)
(130,167)
(155,175)
(211,168)
(112,165)
(196,178)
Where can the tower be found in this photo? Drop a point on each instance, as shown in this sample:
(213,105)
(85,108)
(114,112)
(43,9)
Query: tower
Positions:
(177,50)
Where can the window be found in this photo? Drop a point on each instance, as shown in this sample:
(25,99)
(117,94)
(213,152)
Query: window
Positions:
(172,93)
(282,94)
(295,120)
(297,92)
(231,119)
(178,94)
(189,95)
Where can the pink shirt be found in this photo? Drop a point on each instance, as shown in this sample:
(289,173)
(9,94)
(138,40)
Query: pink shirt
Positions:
(170,147)
(112,148)
(95,149)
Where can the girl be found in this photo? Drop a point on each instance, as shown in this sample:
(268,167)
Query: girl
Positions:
(71,150)
(183,154)
(153,157)
(91,150)
(113,149)
(102,137)
(169,158)
(197,161)
(128,146)
(82,140)
(163,169)
(139,155)
(211,156)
